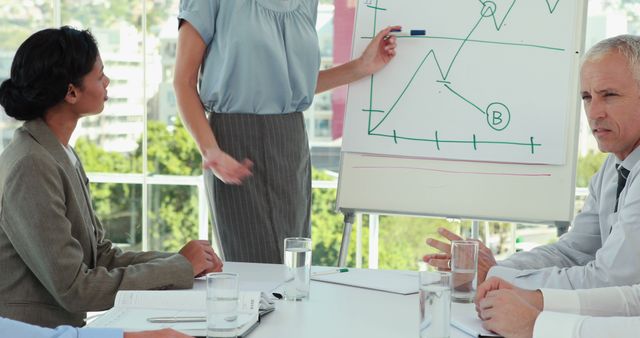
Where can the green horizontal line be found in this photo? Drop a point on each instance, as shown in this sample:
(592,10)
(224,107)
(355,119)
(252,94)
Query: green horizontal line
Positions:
(439,140)
(373,110)
(377,8)
(472,40)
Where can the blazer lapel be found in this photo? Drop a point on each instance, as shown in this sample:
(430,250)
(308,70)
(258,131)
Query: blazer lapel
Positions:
(39,130)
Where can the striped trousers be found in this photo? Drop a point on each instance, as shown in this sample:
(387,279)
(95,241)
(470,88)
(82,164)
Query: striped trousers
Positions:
(253,219)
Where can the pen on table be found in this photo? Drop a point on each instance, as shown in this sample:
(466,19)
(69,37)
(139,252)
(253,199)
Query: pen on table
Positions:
(176,319)
(330,272)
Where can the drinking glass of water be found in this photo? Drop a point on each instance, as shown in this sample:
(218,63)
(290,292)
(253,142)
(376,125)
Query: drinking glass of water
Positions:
(464,269)
(435,304)
(297,259)
(222,304)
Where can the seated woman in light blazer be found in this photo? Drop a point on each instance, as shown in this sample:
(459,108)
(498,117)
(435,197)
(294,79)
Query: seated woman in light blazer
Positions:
(54,260)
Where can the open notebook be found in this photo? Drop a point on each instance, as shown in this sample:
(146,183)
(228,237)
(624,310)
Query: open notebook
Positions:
(133,311)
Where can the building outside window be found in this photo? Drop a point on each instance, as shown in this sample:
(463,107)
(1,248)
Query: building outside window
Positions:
(146,170)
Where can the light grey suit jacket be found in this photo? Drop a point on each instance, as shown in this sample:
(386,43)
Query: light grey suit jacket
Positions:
(602,247)
(55,264)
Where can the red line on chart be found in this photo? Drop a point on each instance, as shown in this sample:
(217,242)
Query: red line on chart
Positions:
(445,159)
(456,172)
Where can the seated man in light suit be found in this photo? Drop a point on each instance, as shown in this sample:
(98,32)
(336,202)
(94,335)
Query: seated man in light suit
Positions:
(12,328)
(592,313)
(602,247)
(55,262)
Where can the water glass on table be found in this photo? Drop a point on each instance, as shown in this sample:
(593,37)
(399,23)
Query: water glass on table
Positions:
(222,304)
(464,270)
(435,304)
(297,259)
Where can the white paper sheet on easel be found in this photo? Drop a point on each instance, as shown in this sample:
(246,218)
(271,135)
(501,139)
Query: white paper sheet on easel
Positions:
(394,281)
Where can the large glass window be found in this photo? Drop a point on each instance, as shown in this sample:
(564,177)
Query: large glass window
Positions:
(109,143)
(146,169)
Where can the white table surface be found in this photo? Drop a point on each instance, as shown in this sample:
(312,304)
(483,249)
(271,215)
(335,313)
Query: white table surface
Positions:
(332,310)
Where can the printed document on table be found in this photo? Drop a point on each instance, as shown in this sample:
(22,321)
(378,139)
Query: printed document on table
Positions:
(394,281)
(465,318)
(132,309)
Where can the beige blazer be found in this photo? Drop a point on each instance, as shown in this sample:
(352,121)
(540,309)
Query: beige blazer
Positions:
(55,264)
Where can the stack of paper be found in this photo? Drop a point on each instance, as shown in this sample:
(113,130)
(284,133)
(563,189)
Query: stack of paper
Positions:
(181,310)
(465,318)
(394,281)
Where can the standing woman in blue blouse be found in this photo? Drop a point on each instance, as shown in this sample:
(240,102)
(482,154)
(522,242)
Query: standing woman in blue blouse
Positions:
(257,63)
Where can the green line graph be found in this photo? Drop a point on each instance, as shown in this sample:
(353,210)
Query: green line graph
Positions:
(496,114)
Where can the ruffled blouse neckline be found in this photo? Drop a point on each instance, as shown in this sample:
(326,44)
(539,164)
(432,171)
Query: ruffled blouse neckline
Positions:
(279,5)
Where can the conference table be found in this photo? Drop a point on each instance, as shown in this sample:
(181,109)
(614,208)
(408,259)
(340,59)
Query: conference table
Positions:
(332,310)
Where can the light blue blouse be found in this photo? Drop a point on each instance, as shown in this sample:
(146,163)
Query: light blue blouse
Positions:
(262,56)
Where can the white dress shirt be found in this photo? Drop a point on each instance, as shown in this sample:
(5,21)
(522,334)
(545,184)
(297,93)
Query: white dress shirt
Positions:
(593,313)
(601,249)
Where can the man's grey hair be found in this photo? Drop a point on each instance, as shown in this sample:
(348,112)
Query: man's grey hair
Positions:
(628,45)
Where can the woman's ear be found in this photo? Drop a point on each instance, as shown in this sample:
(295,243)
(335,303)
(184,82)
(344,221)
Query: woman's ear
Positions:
(72,94)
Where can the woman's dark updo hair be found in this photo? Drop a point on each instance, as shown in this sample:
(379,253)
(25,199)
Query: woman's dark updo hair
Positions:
(43,68)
